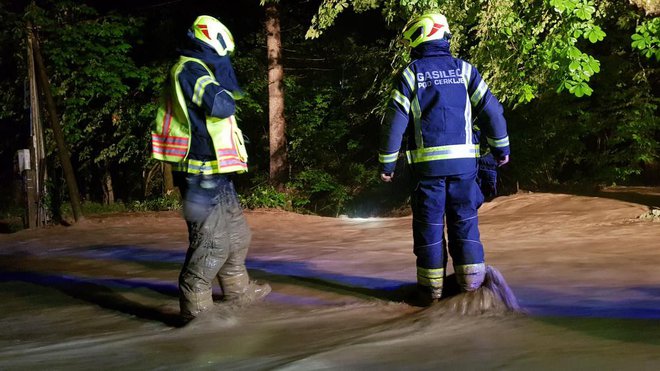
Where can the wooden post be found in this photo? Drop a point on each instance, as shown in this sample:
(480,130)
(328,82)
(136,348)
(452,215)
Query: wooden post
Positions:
(65,159)
(37,150)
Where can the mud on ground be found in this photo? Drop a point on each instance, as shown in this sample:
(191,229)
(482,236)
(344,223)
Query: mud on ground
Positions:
(103,294)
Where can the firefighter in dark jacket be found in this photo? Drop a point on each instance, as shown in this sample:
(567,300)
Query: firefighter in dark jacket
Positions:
(436,102)
(197,132)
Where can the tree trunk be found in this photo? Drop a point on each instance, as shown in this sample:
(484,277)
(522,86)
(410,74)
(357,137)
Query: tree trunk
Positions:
(149,178)
(108,190)
(651,7)
(277,124)
(168,179)
(65,159)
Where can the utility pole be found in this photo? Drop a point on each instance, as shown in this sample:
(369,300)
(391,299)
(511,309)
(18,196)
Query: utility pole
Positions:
(65,159)
(35,176)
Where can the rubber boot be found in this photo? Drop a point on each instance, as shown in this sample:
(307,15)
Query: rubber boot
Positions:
(240,290)
(424,296)
(470,276)
(194,303)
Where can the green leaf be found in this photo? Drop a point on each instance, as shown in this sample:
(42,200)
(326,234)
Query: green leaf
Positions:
(593,64)
(639,44)
(595,34)
(584,11)
(574,53)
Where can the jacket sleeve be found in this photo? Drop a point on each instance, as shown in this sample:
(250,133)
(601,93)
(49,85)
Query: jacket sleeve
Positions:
(489,113)
(396,120)
(202,90)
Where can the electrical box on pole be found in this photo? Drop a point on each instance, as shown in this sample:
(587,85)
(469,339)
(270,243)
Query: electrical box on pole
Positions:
(25,170)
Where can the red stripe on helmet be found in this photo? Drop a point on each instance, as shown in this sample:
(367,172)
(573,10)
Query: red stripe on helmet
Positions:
(204,29)
(436,28)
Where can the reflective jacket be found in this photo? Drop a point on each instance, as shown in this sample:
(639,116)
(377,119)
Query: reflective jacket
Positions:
(436,101)
(195,127)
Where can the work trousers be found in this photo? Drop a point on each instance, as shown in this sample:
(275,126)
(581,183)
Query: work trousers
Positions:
(219,235)
(454,200)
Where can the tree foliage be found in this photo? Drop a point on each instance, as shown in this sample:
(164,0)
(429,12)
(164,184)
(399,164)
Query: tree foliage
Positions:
(107,67)
(609,137)
(521,47)
(647,38)
(105,99)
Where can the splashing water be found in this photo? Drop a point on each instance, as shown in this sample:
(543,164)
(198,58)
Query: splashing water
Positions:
(494,297)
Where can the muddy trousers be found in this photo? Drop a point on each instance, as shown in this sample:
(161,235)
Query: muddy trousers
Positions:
(219,239)
(454,200)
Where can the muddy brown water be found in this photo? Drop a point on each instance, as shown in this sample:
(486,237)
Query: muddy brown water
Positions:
(103,295)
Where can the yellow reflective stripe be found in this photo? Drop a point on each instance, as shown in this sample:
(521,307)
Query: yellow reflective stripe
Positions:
(470,268)
(498,143)
(200,85)
(430,276)
(417,119)
(479,93)
(197,167)
(409,77)
(443,153)
(388,158)
(430,272)
(437,282)
(401,99)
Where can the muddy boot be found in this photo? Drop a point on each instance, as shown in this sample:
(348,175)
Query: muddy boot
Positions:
(425,296)
(470,276)
(240,290)
(194,303)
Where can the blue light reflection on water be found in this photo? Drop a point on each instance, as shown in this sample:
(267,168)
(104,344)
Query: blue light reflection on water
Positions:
(584,302)
(536,301)
(277,267)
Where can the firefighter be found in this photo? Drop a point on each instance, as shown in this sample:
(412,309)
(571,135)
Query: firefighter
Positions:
(196,131)
(435,102)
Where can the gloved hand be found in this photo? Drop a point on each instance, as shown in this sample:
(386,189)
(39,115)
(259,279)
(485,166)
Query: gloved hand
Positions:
(502,160)
(386,177)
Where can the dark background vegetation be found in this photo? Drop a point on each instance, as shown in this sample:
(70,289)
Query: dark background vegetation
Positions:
(107,60)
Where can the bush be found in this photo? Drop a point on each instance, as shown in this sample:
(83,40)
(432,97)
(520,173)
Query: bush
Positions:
(265,196)
(163,203)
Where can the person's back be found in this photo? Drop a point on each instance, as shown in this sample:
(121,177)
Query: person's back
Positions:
(444,126)
(196,131)
(436,102)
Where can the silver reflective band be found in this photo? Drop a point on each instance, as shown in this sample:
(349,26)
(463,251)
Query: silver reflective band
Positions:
(388,158)
(401,99)
(443,153)
(466,72)
(498,143)
(470,268)
(200,85)
(417,119)
(479,93)
(410,78)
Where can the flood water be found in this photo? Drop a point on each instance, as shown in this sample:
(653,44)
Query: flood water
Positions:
(103,294)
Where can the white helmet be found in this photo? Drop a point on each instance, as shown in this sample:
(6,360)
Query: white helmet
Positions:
(210,31)
(426,27)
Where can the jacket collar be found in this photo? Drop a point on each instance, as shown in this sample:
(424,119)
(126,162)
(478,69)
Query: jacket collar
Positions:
(435,48)
(221,65)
